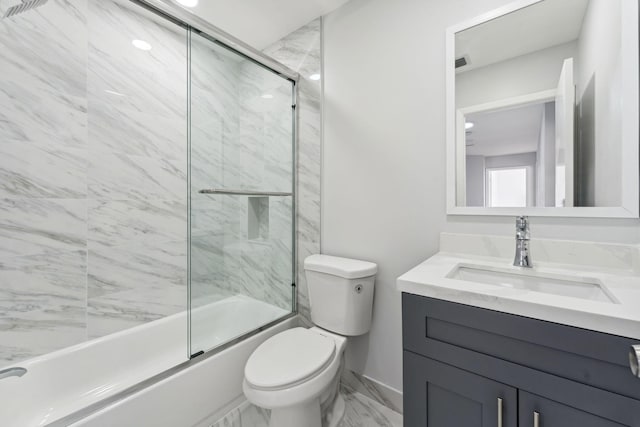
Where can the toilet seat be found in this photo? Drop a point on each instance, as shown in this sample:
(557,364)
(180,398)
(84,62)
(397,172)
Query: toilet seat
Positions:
(289,358)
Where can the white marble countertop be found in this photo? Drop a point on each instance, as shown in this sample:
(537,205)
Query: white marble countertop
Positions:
(621,317)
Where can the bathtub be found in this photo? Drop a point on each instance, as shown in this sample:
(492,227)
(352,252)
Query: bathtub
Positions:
(69,380)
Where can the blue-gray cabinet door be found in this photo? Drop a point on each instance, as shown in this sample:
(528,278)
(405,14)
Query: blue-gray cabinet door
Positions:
(440,395)
(536,411)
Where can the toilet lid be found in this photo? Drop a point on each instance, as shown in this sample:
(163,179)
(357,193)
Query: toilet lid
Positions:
(289,357)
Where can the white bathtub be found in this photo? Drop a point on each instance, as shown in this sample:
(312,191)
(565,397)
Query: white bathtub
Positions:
(66,381)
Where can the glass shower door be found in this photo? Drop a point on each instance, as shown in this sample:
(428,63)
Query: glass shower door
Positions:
(241,195)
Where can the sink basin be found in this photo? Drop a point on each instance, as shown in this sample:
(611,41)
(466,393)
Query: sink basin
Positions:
(567,286)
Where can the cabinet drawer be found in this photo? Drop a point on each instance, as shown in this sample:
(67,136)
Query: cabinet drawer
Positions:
(588,357)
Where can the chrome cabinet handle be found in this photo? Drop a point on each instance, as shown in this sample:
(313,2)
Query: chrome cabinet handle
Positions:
(634,360)
(536,419)
(499,412)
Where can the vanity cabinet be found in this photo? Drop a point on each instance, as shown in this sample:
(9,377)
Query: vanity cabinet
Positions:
(466,366)
(454,397)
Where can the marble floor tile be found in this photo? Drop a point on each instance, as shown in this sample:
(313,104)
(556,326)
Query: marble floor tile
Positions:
(373,390)
(360,412)
(364,412)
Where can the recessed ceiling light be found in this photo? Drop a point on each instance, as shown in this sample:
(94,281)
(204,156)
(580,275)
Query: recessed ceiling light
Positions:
(469,125)
(267,96)
(141,44)
(188,3)
(314,76)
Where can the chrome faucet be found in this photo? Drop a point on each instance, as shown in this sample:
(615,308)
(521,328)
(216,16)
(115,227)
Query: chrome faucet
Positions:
(523,256)
(12,372)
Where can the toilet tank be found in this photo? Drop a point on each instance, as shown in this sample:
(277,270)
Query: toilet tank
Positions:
(340,293)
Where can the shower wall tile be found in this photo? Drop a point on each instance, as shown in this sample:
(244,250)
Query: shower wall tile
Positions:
(153,81)
(301,51)
(44,74)
(115,269)
(93,167)
(263,149)
(137,173)
(116,130)
(29,115)
(93,172)
(42,304)
(207,264)
(135,222)
(43,165)
(42,171)
(41,226)
(122,310)
(123,177)
(206,166)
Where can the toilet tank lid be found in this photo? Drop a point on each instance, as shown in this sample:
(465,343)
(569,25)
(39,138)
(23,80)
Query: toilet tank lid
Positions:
(341,267)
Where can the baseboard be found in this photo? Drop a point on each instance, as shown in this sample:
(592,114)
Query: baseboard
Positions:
(373,389)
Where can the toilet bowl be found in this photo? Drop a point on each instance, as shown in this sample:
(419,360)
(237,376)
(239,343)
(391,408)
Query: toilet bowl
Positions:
(296,373)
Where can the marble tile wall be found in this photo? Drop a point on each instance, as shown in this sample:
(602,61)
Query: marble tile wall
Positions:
(302,51)
(94,171)
(93,160)
(246,131)
(137,174)
(256,158)
(43,186)
(93,193)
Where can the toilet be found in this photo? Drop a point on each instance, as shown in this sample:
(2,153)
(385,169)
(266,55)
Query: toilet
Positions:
(296,373)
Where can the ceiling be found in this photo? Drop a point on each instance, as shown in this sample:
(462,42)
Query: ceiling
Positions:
(260,23)
(543,25)
(499,133)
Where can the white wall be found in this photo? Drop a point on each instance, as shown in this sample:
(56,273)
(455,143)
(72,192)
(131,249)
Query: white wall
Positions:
(545,169)
(531,73)
(475,180)
(599,75)
(384,157)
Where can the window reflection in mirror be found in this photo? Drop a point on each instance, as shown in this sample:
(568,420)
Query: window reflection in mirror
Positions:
(539,100)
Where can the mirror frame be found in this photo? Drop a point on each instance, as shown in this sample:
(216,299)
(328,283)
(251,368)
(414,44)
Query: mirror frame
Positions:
(630,128)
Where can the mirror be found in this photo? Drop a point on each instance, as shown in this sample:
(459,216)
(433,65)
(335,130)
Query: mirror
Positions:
(543,110)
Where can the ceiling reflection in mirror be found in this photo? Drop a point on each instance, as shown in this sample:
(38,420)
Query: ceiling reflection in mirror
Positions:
(539,100)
